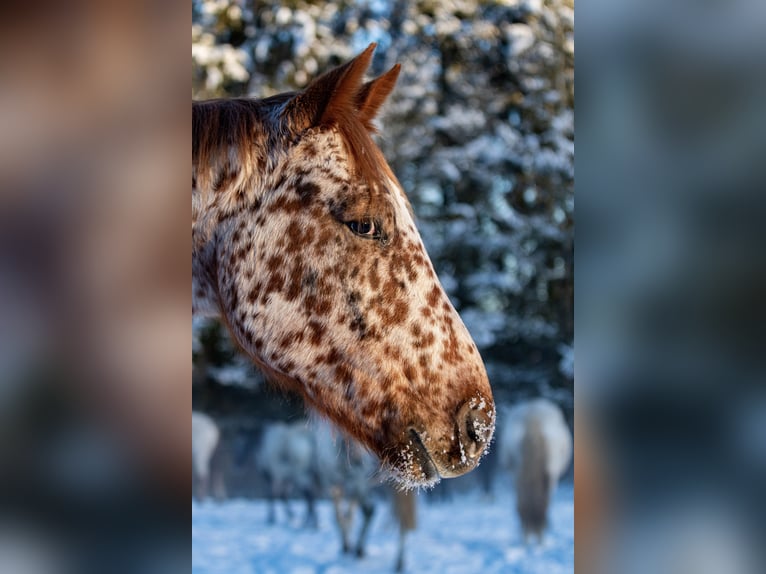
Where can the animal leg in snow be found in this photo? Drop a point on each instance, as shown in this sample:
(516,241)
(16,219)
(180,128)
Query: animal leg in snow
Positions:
(368,509)
(400,555)
(272,516)
(202,488)
(288,508)
(343,518)
(311,515)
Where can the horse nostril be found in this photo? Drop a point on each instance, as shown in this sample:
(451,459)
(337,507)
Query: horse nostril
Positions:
(476,426)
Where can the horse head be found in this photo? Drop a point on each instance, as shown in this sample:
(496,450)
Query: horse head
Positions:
(305,244)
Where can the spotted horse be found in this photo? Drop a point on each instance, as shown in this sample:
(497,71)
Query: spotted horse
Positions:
(304,244)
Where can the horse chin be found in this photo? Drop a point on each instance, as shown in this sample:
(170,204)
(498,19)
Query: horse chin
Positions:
(419,468)
(422,458)
(412,467)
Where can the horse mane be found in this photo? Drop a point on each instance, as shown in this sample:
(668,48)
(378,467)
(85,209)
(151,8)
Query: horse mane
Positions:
(230,136)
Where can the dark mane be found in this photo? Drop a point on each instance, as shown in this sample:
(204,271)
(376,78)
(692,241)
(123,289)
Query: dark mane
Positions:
(223,126)
(244,130)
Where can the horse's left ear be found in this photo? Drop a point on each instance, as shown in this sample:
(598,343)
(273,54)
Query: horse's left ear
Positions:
(372,95)
(332,97)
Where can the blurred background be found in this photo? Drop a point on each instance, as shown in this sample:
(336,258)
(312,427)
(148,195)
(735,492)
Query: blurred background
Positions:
(480,132)
(671,402)
(94,287)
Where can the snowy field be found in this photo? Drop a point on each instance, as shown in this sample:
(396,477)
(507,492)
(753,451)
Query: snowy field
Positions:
(467,535)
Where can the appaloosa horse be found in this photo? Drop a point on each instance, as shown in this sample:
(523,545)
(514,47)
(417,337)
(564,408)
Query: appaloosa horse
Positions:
(304,243)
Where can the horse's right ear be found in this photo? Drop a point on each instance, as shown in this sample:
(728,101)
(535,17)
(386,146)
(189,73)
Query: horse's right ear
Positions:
(373,94)
(329,98)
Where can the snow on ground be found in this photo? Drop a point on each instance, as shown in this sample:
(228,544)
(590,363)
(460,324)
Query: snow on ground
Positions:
(467,535)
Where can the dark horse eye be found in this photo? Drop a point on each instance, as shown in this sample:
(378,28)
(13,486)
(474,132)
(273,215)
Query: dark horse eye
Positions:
(364,228)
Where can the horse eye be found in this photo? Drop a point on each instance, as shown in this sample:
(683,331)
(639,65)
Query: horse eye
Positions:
(364,228)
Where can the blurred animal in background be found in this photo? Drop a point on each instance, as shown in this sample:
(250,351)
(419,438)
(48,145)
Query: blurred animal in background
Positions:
(536,446)
(287,458)
(346,472)
(206,438)
(405,509)
(304,242)
(309,460)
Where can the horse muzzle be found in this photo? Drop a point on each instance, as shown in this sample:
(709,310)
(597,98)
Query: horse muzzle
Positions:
(429,458)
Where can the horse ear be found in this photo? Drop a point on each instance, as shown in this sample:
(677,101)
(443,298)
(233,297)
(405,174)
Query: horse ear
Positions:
(330,97)
(373,94)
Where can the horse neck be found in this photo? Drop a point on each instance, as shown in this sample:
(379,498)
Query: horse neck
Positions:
(238,186)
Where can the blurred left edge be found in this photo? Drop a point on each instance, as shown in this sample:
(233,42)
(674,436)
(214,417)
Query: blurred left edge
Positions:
(95,365)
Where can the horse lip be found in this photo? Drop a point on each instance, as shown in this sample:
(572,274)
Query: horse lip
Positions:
(427,464)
